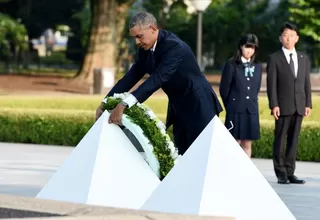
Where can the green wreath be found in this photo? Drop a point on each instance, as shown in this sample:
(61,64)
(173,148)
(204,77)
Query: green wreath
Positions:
(153,129)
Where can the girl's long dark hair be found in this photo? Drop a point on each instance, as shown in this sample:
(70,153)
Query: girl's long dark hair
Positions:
(249,40)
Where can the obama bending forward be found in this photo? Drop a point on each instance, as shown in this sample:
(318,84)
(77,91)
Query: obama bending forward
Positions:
(172,67)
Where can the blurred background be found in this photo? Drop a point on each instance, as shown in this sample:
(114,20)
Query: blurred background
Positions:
(59,58)
(71,38)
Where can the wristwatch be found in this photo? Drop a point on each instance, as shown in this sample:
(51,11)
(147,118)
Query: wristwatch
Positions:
(124,104)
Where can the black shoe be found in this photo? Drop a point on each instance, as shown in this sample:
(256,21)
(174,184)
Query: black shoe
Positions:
(293,179)
(283,180)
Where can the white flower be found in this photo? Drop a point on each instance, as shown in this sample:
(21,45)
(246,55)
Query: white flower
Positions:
(160,125)
(147,109)
(150,114)
(171,146)
(163,131)
(144,106)
(116,95)
(120,95)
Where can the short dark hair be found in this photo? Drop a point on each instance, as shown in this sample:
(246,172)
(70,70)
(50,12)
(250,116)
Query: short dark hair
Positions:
(142,18)
(249,40)
(288,25)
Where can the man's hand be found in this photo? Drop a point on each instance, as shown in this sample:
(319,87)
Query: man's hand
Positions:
(116,114)
(307,111)
(99,112)
(276,112)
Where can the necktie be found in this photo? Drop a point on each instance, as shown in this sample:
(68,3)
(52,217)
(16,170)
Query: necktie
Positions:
(150,62)
(152,59)
(292,65)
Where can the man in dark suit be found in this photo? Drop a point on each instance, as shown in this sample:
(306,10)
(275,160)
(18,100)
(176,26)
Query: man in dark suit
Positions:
(173,67)
(289,94)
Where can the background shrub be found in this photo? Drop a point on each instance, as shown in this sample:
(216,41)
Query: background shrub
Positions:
(68,127)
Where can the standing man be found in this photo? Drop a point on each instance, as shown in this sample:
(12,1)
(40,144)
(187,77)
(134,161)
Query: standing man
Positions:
(289,94)
(172,67)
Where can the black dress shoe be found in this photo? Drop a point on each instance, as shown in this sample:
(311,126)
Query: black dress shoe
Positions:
(283,180)
(293,179)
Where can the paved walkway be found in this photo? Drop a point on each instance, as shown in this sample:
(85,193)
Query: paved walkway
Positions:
(24,169)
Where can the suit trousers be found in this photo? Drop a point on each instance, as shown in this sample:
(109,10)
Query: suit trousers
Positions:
(183,138)
(287,130)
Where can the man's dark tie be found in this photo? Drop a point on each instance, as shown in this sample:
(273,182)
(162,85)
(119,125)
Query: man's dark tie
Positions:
(150,62)
(152,59)
(292,65)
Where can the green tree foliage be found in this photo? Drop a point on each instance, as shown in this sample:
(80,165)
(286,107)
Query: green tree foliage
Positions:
(84,18)
(266,25)
(226,20)
(306,13)
(172,17)
(40,15)
(13,35)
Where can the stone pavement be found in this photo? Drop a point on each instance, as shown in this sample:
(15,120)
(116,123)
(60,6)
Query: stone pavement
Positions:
(24,169)
(28,208)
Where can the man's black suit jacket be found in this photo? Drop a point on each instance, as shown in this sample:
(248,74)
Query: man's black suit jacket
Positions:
(173,67)
(290,94)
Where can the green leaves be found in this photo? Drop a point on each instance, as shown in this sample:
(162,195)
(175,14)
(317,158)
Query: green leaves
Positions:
(307,15)
(67,128)
(11,31)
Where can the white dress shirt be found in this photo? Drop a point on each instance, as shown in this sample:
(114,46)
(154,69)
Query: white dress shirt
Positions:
(244,60)
(294,58)
(130,99)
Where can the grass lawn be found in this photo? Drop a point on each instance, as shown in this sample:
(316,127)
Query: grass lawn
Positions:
(88,104)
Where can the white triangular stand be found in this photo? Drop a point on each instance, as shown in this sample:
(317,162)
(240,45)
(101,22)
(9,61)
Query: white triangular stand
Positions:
(216,178)
(104,169)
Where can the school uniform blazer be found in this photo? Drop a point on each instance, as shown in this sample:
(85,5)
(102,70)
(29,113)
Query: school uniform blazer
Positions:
(238,92)
(174,68)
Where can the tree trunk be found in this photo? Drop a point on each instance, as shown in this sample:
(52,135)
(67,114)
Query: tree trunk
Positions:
(101,46)
(122,12)
(107,26)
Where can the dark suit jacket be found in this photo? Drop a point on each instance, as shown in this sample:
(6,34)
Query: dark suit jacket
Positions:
(290,94)
(192,101)
(238,92)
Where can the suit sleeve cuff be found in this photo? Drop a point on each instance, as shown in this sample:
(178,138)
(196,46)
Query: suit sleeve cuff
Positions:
(130,100)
